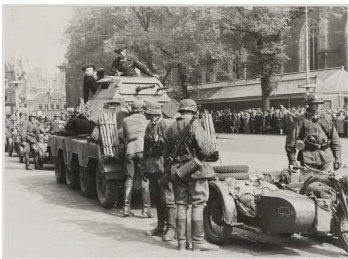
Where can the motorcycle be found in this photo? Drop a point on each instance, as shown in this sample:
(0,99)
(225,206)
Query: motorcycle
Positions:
(283,211)
(39,151)
(319,184)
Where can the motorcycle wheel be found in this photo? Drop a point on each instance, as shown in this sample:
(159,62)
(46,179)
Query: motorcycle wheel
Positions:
(341,229)
(216,230)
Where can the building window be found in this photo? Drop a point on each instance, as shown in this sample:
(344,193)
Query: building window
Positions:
(313,41)
(40,106)
(52,106)
(58,106)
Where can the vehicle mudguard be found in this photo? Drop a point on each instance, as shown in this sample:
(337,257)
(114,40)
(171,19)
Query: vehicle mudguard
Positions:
(112,171)
(228,202)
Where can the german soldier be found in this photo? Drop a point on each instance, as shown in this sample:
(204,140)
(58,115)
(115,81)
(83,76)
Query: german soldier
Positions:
(124,65)
(90,84)
(195,145)
(133,131)
(29,132)
(322,145)
(162,196)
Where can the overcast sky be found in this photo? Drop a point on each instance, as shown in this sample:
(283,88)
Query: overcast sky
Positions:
(36,35)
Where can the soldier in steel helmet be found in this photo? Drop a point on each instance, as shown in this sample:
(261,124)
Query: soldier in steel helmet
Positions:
(193,189)
(161,196)
(133,132)
(322,145)
(124,65)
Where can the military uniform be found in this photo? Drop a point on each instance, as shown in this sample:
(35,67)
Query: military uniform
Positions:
(192,190)
(90,86)
(127,67)
(133,131)
(322,144)
(29,134)
(161,195)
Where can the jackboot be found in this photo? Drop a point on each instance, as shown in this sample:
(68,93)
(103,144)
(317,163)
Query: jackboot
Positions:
(181,226)
(170,232)
(146,213)
(197,233)
(127,201)
(160,228)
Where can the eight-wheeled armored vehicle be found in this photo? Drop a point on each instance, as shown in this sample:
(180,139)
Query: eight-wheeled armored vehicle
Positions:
(79,161)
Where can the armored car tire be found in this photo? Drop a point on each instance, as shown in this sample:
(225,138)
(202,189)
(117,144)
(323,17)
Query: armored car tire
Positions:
(72,174)
(108,191)
(229,169)
(341,229)
(237,176)
(60,168)
(216,230)
(87,179)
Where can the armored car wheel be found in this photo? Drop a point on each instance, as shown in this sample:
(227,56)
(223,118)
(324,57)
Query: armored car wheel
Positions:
(229,169)
(216,230)
(107,190)
(87,178)
(341,229)
(60,169)
(72,174)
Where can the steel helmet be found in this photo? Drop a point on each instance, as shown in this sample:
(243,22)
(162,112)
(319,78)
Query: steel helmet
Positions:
(188,105)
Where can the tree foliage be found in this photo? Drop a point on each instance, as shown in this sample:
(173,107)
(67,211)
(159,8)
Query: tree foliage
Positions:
(184,38)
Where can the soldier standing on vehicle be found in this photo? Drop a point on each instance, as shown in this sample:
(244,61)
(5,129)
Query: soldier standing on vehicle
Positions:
(133,131)
(161,196)
(29,132)
(322,145)
(90,84)
(124,65)
(193,143)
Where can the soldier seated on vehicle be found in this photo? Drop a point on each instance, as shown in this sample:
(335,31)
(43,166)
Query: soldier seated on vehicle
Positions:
(90,84)
(125,65)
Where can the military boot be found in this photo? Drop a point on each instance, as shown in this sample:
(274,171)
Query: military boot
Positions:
(170,232)
(146,213)
(181,226)
(199,243)
(127,201)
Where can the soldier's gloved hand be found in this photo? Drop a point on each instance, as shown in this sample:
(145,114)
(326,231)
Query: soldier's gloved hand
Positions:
(337,164)
(292,164)
(157,76)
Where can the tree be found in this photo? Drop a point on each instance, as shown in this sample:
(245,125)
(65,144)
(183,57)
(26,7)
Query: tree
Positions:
(263,31)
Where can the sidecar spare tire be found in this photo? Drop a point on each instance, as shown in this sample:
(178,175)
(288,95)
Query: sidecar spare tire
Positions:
(228,169)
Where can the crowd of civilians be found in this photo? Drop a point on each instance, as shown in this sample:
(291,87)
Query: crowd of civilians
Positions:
(274,121)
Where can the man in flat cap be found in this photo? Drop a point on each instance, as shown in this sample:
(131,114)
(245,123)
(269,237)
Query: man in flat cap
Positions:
(133,132)
(90,84)
(322,145)
(124,65)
